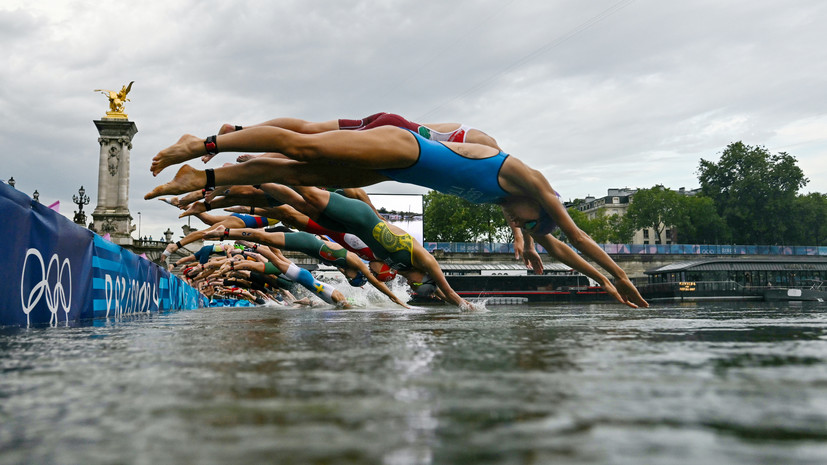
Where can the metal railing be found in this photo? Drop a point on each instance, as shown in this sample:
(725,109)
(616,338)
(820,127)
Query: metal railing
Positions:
(641,249)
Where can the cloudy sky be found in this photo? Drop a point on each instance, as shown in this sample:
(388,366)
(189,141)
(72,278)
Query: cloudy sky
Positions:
(597,94)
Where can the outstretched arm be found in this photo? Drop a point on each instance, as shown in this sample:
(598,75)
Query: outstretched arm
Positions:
(354,261)
(584,243)
(173,247)
(562,252)
(427,263)
(536,185)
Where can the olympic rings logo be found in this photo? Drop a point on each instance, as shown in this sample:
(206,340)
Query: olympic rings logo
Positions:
(55,296)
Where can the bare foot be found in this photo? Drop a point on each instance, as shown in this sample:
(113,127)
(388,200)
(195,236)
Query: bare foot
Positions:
(215,231)
(217,192)
(237,209)
(191,197)
(225,128)
(187,148)
(187,179)
(172,201)
(194,209)
(246,157)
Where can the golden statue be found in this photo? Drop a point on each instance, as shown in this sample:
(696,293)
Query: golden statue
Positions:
(116,101)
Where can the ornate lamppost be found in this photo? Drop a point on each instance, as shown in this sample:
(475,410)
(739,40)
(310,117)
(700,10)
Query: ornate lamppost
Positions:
(36,196)
(12,182)
(80,200)
(168,235)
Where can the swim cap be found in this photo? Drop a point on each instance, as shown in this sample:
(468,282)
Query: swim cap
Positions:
(542,225)
(385,274)
(426,288)
(358,281)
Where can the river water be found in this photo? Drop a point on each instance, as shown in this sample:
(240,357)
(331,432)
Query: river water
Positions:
(714,383)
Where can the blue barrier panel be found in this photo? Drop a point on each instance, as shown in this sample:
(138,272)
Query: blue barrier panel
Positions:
(124,283)
(230,303)
(46,261)
(55,271)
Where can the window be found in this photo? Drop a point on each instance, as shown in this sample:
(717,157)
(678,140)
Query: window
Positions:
(646,234)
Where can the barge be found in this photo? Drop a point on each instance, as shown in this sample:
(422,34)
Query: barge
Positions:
(513,284)
(767,279)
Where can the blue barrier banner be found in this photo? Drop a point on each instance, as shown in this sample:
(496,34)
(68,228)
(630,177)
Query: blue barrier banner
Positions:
(46,262)
(124,283)
(58,272)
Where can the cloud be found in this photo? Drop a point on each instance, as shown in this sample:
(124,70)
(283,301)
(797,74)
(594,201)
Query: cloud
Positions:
(596,95)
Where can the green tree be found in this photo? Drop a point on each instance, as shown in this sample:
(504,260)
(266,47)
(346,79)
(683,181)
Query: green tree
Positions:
(809,220)
(699,222)
(753,191)
(448,218)
(656,208)
(603,228)
(581,220)
(620,230)
(489,223)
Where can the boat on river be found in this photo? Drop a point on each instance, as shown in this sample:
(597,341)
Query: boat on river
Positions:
(769,279)
(512,283)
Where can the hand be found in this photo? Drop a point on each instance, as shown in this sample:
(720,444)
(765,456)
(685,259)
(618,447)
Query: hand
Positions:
(631,296)
(519,248)
(533,261)
(467,306)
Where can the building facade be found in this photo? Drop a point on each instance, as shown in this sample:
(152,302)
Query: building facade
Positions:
(616,202)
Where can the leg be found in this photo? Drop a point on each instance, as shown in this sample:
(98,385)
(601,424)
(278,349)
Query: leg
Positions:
(247,234)
(319,200)
(385,147)
(293,124)
(264,170)
(315,197)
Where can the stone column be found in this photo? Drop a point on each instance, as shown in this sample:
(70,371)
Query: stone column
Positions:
(112,215)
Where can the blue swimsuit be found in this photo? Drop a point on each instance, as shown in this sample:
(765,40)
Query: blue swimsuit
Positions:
(254,221)
(440,168)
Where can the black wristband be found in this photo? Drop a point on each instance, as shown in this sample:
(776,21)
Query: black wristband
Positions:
(207,205)
(252,210)
(226,234)
(210,145)
(238,128)
(210,179)
(178,243)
